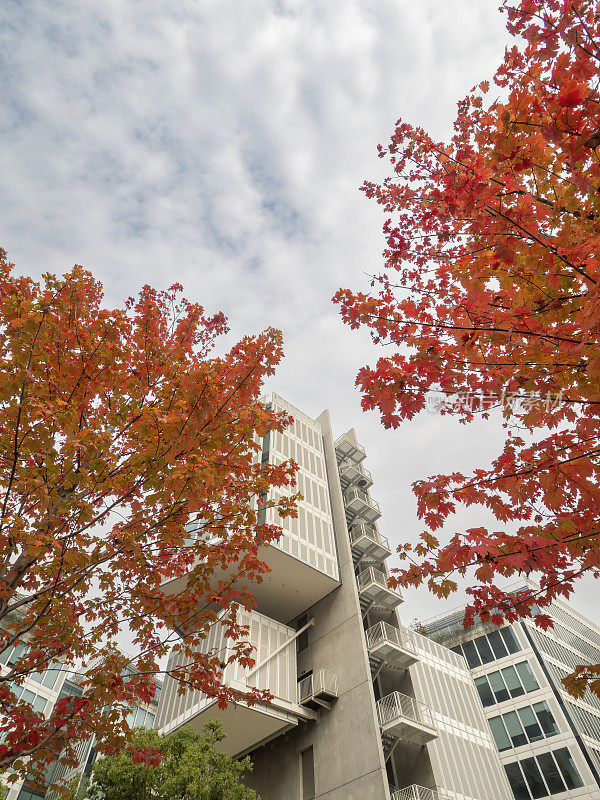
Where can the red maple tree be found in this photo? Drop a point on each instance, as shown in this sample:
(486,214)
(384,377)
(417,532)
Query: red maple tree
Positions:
(490,300)
(119,428)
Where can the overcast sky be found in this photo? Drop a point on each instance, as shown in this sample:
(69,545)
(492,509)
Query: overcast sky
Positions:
(222,144)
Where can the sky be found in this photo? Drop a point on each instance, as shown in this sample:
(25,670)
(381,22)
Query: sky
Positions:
(222,145)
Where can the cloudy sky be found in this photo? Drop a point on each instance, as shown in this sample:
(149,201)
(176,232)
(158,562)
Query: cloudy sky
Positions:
(222,144)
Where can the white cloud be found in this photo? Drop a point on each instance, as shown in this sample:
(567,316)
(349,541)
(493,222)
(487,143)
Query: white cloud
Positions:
(222,144)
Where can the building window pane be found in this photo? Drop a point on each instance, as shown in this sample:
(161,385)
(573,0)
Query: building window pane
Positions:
(534,779)
(485,693)
(517,784)
(546,719)
(568,768)
(515,730)
(510,639)
(512,682)
(551,773)
(485,651)
(527,677)
(530,724)
(500,735)
(497,643)
(308,774)
(457,649)
(471,655)
(498,687)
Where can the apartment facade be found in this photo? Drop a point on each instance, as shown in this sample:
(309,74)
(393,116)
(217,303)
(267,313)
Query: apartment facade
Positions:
(548,741)
(362,707)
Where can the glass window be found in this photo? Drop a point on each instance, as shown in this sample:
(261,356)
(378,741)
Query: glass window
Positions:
(50,676)
(28,696)
(485,651)
(515,729)
(510,639)
(498,687)
(527,677)
(18,651)
(551,773)
(149,720)
(485,693)
(512,682)
(457,649)
(497,643)
(39,704)
(530,724)
(534,779)
(517,783)
(567,767)
(500,735)
(471,655)
(546,719)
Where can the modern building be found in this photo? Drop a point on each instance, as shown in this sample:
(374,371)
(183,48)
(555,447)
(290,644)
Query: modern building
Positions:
(362,707)
(549,742)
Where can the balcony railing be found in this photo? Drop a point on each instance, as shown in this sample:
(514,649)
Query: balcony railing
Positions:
(384,632)
(321,685)
(352,473)
(359,504)
(398,714)
(373,586)
(345,447)
(367,539)
(416,792)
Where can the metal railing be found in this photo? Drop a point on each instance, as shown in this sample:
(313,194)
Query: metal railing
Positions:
(372,575)
(364,529)
(384,631)
(348,464)
(358,494)
(396,705)
(416,792)
(320,682)
(354,445)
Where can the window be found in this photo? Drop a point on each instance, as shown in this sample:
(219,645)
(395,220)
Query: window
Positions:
(485,693)
(498,687)
(517,782)
(534,779)
(510,639)
(471,655)
(543,775)
(497,644)
(565,762)
(515,729)
(527,677)
(527,724)
(308,774)
(513,684)
(485,651)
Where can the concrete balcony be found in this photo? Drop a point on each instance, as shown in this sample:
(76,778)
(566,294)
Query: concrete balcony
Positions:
(318,690)
(392,645)
(416,792)
(359,505)
(353,475)
(373,587)
(347,448)
(405,718)
(367,541)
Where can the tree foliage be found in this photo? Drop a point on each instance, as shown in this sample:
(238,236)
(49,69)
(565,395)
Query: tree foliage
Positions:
(184,765)
(118,428)
(490,298)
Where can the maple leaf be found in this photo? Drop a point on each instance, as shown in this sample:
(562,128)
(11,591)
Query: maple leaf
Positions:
(497,306)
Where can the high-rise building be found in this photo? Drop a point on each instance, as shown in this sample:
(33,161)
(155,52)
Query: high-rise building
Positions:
(549,742)
(362,707)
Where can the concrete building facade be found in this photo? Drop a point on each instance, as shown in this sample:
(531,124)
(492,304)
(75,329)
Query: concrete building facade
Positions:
(362,707)
(548,741)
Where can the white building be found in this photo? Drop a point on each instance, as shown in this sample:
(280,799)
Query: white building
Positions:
(362,707)
(548,741)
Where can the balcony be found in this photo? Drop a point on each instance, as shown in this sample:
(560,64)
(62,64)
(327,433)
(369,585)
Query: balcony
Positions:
(353,475)
(359,504)
(390,644)
(373,587)
(406,718)
(347,448)
(318,690)
(367,541)
(415,792)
